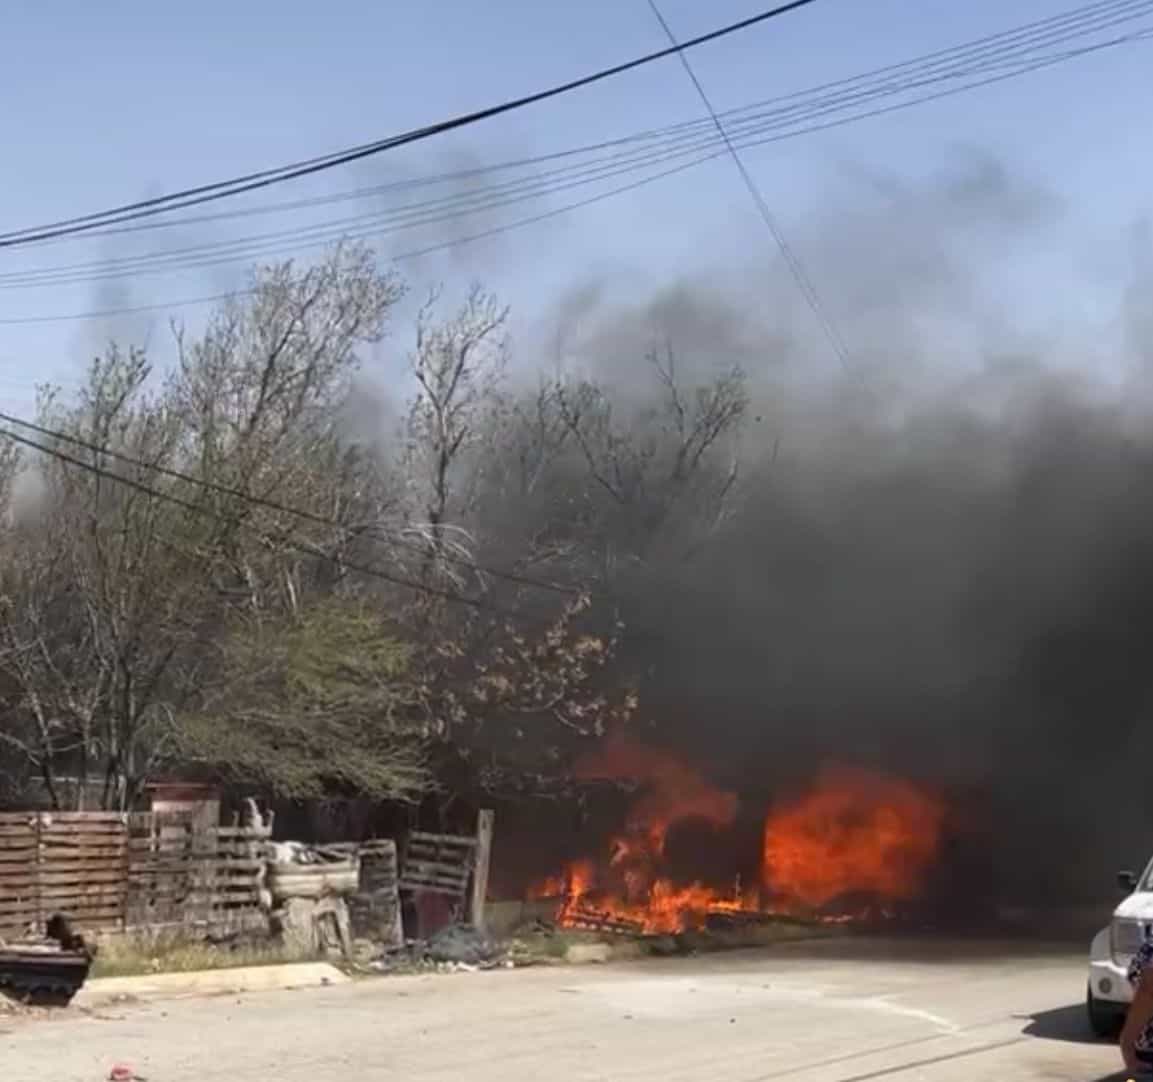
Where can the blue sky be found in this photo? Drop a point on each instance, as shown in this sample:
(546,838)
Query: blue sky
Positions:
(126,99)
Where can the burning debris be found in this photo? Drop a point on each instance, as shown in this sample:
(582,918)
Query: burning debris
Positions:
(852,847)
(857,833)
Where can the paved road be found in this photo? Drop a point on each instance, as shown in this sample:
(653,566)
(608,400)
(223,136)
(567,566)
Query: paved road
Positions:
(838,1011)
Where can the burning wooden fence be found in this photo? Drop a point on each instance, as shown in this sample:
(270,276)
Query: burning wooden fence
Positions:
(111,870)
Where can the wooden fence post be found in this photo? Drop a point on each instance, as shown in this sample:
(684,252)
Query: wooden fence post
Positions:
(38,869)
(481,859)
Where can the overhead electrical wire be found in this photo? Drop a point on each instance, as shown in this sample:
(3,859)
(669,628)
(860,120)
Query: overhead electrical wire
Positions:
(743,129)
(1010,45)
(1001,71)
(1056,29)
(792,260)
(265,178)
(1051,30)
(266,535)
(224,189)
(268,504)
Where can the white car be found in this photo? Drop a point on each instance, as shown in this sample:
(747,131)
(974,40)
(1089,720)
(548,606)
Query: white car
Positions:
(1109,992)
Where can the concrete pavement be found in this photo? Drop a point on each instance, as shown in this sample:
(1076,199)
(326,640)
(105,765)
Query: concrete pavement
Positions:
(843,1010)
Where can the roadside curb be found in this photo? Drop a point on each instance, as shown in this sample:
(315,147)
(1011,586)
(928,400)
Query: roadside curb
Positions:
(596,952)
(104,990)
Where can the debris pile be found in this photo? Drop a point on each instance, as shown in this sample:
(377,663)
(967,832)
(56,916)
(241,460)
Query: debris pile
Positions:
(308,886)
(457,948)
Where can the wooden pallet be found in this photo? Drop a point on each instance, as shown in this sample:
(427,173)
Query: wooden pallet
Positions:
(438,863)
(111,870)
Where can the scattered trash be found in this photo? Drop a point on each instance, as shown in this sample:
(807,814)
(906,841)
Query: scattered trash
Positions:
(121,1072)
(461,945)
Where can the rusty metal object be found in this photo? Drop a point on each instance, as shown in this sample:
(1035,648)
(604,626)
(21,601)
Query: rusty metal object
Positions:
(49,975)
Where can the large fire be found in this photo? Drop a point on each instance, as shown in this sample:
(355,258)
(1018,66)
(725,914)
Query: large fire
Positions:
(854,834)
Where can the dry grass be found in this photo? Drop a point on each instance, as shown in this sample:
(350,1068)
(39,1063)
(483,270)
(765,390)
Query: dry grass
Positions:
(128,958)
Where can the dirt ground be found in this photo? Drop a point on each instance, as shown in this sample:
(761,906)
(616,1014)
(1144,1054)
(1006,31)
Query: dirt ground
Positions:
(835,1011)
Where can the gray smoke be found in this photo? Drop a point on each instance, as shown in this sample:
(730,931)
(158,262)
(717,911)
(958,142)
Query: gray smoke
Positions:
(941,562)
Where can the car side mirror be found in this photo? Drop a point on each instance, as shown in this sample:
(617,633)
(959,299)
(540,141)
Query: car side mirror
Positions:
(1127,881)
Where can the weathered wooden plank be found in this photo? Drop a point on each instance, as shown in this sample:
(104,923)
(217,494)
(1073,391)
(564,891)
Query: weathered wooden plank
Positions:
(16,835)
(412,860)
(457,882)
(86,844)
(29,888)
(418,882)
(29,880)
(439,856)
(55,876)
(480,868)
(82,841)
(160,867)
(433,888)
(432,873)
(118,818)
(448,875)
(62,820)
(435,867)
(462,840)
(81,870)
(65,896)
(168,852)
(97,916)
(81,855)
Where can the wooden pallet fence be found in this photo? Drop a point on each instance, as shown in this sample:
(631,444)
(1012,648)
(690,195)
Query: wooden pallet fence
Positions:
(110,870)
(19,889)
(438,864)
(161,871)
(61,861)
(178,873)
(236,872)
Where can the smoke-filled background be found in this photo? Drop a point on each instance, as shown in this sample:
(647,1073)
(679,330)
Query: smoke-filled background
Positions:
(929,557)
(938,561)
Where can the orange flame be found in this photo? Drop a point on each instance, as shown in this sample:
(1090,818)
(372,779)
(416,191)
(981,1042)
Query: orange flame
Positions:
(856,832)
(628,888)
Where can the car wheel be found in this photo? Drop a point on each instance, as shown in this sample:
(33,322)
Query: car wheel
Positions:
(1105,1019)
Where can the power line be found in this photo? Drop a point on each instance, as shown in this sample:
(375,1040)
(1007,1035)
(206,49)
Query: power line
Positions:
(662,144)
(796,267)
(206,193)
(1004,45)
(1016,69)
(278,536)
(441,209)
(260,501)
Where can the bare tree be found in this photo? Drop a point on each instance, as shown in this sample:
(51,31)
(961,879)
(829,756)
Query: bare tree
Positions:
(661,473)
(188,586)
(458,365)
(124,579)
